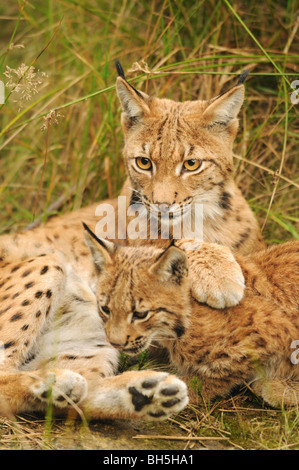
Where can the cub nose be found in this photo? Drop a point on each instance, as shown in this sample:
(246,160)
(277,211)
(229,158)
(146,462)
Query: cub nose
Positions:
(117,345)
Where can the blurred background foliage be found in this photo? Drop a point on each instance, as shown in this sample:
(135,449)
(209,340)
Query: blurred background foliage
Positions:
(60,136)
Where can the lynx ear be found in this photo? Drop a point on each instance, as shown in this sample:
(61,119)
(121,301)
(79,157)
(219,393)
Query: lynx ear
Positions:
(101,250)
(171,265)
(225,108)
(133,102)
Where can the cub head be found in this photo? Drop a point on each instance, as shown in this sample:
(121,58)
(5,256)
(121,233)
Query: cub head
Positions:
(143,293)
(178,154)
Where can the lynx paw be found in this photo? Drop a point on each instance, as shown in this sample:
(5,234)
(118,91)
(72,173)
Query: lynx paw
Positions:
(221,292)
(58,386)
(216,277)
(158,395)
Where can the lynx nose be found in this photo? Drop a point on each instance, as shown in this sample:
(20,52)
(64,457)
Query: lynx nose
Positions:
(116,345)
(163,206)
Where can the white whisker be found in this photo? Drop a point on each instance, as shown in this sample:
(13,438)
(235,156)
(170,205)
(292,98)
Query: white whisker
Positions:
(136,190)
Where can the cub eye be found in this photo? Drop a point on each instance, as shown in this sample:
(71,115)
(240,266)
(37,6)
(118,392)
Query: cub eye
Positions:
(192,165)
(143,163)
(105,309)
(139,315)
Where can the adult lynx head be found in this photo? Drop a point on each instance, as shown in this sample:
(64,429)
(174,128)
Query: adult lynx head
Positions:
(178,154)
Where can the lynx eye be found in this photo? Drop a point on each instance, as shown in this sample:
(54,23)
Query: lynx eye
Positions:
(139,315)
(192,165)
(143,163)
(105,309)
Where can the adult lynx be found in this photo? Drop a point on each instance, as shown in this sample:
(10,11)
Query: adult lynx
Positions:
(179,155)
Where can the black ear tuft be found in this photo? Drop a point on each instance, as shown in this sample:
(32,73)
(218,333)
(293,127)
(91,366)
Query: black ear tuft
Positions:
(93,235)
(121,74)
(90,232)
(119,69)
(243,77)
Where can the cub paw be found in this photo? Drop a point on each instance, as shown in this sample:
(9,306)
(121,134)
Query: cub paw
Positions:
(158,395)
(60,387)
(216,277)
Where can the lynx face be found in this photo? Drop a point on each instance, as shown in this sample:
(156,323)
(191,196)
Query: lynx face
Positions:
(142,293)
(179,154)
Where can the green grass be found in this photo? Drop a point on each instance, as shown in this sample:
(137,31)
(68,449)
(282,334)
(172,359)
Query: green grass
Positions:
(191,50)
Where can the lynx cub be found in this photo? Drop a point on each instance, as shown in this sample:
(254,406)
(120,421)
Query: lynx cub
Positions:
(144,295)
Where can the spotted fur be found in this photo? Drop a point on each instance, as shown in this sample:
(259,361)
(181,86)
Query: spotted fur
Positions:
(53,349)
(143,300)
(46,274)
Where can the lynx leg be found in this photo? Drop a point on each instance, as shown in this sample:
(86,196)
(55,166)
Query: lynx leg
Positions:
(31,391)
(278,392)
(140,394)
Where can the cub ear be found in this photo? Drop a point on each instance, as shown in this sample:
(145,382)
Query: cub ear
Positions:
(133,102)
(101,250)
(224,109)
(171,265)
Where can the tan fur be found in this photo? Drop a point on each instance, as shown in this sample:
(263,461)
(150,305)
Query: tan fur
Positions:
(147,292)
(169,133)
(203,130)
(53,349)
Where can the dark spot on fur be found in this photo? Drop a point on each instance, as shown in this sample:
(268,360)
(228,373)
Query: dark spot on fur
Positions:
(260,343)
(38,294)
(5,309)
(221,355)
(15,268)
(26,273)
(9,344)
(25,327)
(38,314)
(26,302)
(49,293)
(9,287)
(28,285)
(179,329)
(44,270)
(17,316)
(225,200)
(5,297)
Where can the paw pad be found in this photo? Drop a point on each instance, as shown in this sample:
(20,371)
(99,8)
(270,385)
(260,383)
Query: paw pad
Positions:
(149,396)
